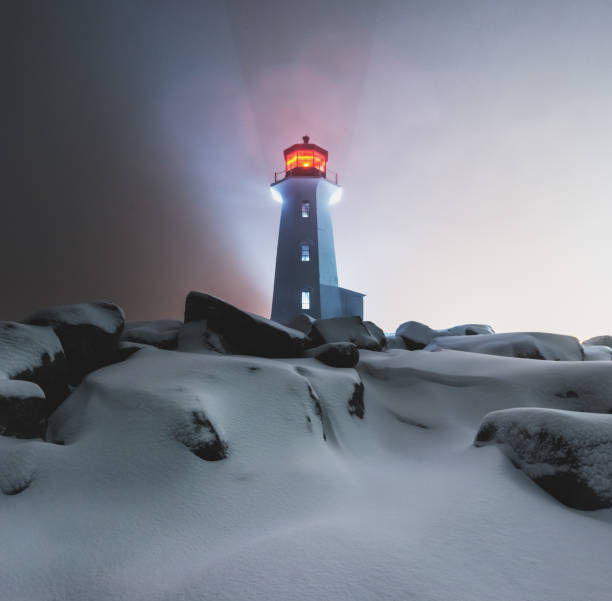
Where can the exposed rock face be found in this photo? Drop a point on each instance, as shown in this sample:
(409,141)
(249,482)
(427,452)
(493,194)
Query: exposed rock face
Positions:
(344,329)
(89,333)
(201,438)
(241,332)
(524,345)
(302,322)
(356,405)
(161,333)
(33,354)
(569,454)
(417,335)
(23,409)
(395,341)
(336,354)
(377,333)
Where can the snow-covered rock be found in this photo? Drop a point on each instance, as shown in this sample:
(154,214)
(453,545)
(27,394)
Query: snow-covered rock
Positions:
(525,345)
(336,354)
(89,333)
(33,354)
(569,454)
(161,333)
(23,409)
(377,333)
(395,342)
(594,352)
(417,335)
(343,329)
(599,341)
(302,322)
(241,332)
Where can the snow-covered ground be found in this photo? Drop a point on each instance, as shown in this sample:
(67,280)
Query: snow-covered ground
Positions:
(312,502)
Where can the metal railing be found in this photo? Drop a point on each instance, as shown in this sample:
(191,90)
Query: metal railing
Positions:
(330,175)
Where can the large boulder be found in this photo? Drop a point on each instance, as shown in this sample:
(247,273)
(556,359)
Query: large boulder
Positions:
(89,333)
(343,329)
(23,409)
(525,345)
(241,332)
(302,322)
(599,341)
(569,454)
(377,333)
(417,335)
(336,354)
(161,333)
(34,354)
(594,352)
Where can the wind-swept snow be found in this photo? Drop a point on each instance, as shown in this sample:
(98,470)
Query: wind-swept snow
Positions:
(312,501)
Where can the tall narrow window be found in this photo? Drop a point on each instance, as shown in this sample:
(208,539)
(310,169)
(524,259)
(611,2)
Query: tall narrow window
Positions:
(305,299)
(305,209)
(305,253)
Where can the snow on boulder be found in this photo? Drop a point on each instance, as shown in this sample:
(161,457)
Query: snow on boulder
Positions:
(161,333)
(599,341)
(241,332)
(377,333)
(569,454)
(23,409)
(343,329)
(302,322)
(417,335)
(34,354)
(89,333)
(395,341)
(336,354)
(597,353)
(525,345)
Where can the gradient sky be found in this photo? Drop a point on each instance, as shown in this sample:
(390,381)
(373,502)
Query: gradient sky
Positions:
(473,140)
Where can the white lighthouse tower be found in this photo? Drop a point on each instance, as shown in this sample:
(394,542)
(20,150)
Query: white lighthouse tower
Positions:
(306,278)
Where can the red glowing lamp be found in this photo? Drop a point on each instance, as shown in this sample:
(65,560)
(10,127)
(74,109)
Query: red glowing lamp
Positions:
(306,158)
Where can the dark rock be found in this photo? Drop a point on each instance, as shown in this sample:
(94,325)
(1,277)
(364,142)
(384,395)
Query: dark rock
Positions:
(161,333)
(241,332)
(336,354)
(417,335)
(201,438)
(567,453)
(377,333)
(343,329)
(89,333)
(356,405)
(599,341)
(302,322)
(35,355)
(23,409)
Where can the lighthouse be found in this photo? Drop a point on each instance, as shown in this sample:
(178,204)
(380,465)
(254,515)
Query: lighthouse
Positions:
(306,277)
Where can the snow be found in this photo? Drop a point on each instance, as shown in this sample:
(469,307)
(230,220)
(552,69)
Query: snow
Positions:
(22,347)
(535,345)
(105,315)
(421,334)
(397,505)
(160,332)
(597,353)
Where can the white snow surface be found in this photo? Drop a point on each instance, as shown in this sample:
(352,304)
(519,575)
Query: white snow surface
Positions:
(96,313)
(159,331)
(397,506)
(555,347)
(22,347)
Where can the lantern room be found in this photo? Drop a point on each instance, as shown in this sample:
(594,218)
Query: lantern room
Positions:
(307,158)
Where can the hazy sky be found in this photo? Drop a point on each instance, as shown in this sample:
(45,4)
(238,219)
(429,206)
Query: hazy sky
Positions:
(473,140)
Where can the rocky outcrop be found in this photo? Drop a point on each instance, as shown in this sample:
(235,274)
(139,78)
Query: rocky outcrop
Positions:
(241,332)
(417,335)
(599,341)
(567,453)
(89,333)
(344,329)
(161,333)
(336,354)
(523,345)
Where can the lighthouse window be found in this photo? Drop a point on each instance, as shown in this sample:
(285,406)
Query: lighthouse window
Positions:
(305,299)
(305,209)
(305,253)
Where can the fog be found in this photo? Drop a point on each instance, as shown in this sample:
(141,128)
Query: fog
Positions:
(472,139)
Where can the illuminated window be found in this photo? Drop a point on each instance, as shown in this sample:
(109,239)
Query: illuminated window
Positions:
(305,209)
(305,299)
(305,253)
